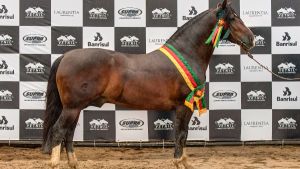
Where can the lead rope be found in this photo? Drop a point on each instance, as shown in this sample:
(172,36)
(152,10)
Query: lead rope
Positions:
(281,77)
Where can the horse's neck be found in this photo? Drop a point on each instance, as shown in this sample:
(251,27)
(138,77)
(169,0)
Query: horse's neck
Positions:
(190,41)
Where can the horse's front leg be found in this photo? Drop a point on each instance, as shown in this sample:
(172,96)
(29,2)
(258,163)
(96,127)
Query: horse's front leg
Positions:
(183,116)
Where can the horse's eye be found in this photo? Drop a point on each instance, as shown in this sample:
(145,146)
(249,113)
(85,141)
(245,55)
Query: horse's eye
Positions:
(232,18)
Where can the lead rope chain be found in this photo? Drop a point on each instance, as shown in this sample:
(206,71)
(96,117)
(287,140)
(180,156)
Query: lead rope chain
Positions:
(281,77)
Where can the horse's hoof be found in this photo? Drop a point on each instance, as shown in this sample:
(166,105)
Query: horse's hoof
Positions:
(176,163)
(73,164)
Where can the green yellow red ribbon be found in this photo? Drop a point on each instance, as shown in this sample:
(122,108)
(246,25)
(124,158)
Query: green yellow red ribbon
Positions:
(193,82)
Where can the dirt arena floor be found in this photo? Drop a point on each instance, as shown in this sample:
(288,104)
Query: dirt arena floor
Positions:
(212,157)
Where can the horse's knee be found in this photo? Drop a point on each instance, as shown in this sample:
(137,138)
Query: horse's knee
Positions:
(64,123)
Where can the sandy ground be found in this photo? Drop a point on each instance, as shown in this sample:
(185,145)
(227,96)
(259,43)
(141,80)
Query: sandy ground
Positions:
(215,157)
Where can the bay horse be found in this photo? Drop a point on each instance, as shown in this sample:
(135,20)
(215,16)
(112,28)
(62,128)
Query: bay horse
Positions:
(85,77)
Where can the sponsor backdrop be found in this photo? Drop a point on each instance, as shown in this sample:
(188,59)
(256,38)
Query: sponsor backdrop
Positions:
(245,102)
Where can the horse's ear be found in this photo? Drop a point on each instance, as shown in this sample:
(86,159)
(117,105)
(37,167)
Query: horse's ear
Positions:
(223,5)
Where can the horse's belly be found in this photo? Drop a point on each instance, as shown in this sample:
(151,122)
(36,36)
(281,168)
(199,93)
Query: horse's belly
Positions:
(148,94)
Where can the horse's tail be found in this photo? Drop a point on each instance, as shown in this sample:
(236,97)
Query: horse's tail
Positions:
(53,106)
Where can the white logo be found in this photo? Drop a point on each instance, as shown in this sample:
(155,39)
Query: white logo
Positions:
(129,41)
(259,41)
(98,13)
(35,67)
(5,70)
(6,40)
(286,13)
(163,124)
(287,123)
(4,13)
(97,41)
(4,125)
(224,68)
(34,12)
(256,96)
(226,43)
(161,13)
(6,96)
(225,123)
(66,40)
(196,124)
(99,124)
(287,68)
(34,123)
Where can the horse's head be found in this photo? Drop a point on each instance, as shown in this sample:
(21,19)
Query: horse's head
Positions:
(239,33)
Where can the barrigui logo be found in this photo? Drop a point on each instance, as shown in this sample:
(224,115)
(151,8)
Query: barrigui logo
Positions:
(225,68)
(256,96)
(34,123)
(287,96)
(129,41)
(225,124)
(34,95)
(99,124)
(98,13)
(286,13)
(97,41)
(287,68)
(4,124)
(196,124)
(34,13)
(287,123)
(163,124)
(35,68)
(5,70)
(286,40)
(6,40)
(66,40)
(130,13)
(6,96)
(161,13)
(259,40)
(192,12)
(131,124)
(35,39)
(4,13)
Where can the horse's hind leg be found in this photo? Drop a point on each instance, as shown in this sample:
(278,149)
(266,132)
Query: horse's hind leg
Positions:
(60,128)
(69,144)
(183,116)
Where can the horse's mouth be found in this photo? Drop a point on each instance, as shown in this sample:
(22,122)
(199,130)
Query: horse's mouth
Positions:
(245,46)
